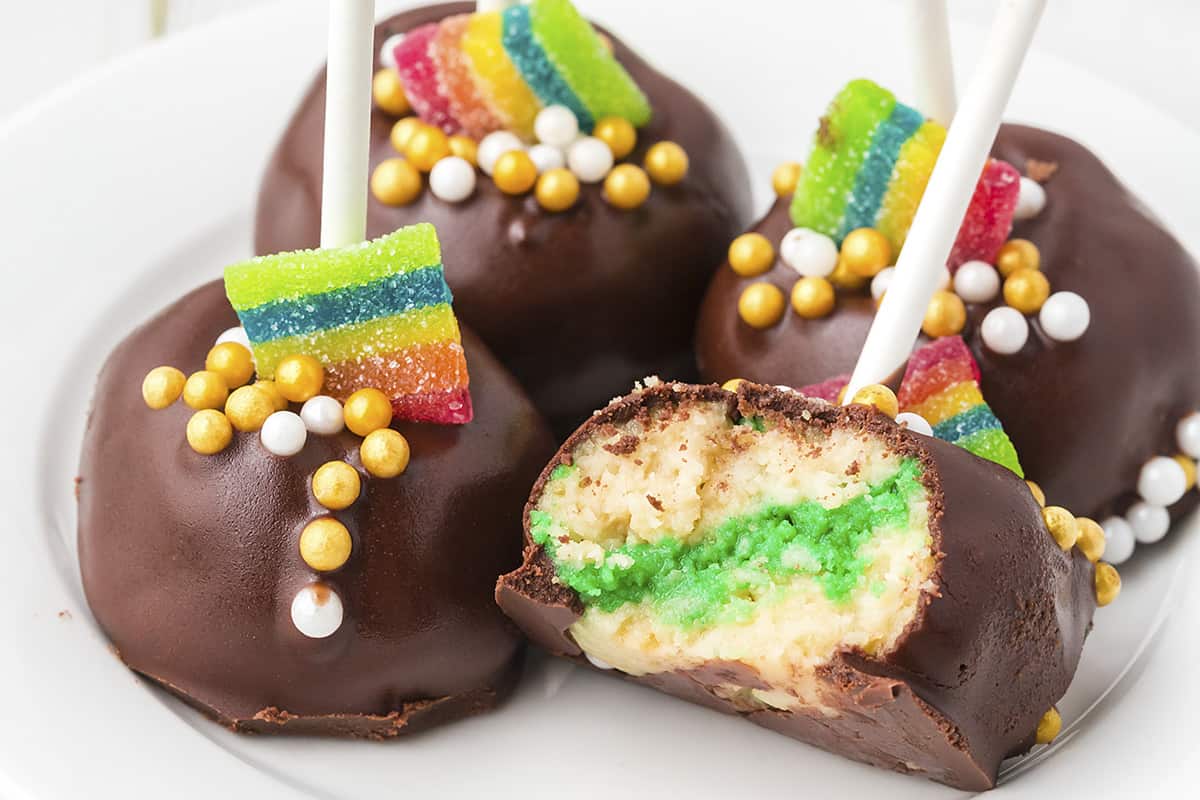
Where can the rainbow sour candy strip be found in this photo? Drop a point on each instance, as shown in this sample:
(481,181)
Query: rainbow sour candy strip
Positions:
(577,53)
(869,167)
(419,74)
(536,67)
(375,314)
(941,384)
(497,78)
(456,80)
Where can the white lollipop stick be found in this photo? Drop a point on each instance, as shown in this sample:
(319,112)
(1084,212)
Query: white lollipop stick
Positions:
(944,204)
(493,5)
(933,65)
(347,122)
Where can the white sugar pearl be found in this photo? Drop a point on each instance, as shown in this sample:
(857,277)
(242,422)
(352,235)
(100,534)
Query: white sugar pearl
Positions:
(590,159)
(1162,481)
(1065,316)
(452,179)
(1149,522)
(810,253)
(555,125)
(1031,199)
(881,281)
(317,611)
(977,282)
(547,157)
(494,145)
(237,334)
(598,663)
(1118,540)
(284,433)
(914,422)
(323,415)
(1004,330)
(387,50)
(1187,434)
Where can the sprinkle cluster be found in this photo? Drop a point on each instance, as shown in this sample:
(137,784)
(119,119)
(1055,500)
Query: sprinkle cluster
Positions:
(266,407)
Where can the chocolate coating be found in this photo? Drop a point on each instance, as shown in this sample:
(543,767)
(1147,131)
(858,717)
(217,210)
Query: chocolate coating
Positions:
(994,645)
(190,562)
(577,304)
(1084,415)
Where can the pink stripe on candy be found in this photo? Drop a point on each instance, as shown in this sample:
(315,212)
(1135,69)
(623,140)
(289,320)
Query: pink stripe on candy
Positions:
(827,390)
(444,408)
(989,217)
(418,73)
(934,367)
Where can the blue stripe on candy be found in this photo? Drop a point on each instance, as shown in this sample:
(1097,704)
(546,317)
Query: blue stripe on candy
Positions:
(536,68)
(385,297)
(965,423)
(871,182)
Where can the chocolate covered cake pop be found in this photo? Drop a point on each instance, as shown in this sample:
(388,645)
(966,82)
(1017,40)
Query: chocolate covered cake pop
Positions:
(818,570)
(1084,322)
(308,552)
(581,195)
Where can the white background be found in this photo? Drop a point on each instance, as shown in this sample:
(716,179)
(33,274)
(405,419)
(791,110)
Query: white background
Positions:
(1146,46)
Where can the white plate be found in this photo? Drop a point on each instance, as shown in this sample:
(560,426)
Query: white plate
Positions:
(136,183)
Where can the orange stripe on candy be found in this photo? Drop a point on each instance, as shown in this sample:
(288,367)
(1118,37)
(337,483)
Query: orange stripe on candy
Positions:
(421,369)
(948,402)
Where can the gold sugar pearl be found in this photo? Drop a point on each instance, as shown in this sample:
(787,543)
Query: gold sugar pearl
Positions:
(813,297)
(751,254)
(367,410)
(514,172)
(395,182)
(1038,494)
(761,305)
(465,148)
(866,251)
(336,485)
(785,177)
(209,431)
(205,389)
(1062,526)
(388,91)
(248,407)
(626,186)
(427,146)
(1108,583)
(299,378)
(945,316)
(879,396)
(325,544)
(557,189)
(1049,726)
(1026,290)
(162,386)
(666,162)
(1091,539)
(843,278)
(841,395)
(1189,470)
(618,133)
(384,453)
(732,384)
(1018,254)
(232,361)
(402,132)
(278,401)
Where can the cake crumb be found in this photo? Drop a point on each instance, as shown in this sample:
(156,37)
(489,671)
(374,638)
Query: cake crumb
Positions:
(654,501)
(64,614)
(623,446)
(1040,171)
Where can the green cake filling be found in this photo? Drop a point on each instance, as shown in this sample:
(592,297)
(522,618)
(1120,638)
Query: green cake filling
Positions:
(719,578)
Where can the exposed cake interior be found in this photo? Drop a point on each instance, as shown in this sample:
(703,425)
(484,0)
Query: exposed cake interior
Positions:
(692,537)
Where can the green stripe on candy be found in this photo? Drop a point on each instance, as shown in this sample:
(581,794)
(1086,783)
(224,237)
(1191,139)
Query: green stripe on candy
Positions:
(290,276)
(595,77)
(841,146)
(994,445)
(704,583)
(536,67)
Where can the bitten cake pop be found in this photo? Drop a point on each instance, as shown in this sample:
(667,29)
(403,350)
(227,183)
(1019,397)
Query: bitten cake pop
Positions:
(820,571)
(582,196)
(288,554)
(1084,321)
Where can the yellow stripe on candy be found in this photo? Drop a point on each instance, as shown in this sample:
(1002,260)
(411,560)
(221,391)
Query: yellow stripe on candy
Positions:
(909,178)
(496,76)
(386,335)
(948,402)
